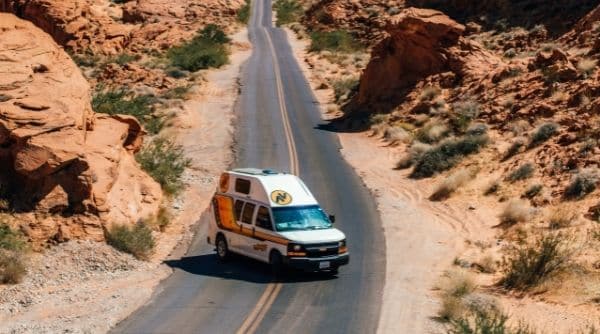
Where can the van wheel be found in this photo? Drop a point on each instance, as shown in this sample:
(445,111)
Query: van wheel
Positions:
(222,248)
(276,262)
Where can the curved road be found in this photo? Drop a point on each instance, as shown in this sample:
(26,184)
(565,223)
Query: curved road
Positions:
(278,126)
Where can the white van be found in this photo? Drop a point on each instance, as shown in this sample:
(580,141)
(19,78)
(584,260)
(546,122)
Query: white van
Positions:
(274,218)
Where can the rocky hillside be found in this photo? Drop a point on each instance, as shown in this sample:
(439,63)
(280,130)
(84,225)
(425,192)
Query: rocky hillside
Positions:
(66,170)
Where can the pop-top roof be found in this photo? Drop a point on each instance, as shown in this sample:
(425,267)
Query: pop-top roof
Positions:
(268,186)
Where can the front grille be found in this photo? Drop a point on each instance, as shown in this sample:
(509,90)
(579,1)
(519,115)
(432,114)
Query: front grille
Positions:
(321,250)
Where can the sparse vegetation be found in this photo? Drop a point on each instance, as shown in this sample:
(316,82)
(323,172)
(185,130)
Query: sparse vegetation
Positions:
(207,49)
(125,102)
(414,154)
(587,66)
(523,172)
(395,135)
(165,161)
(451,184)
(86,59)
(288,11)
(12,251)
(530,265)
(429,93)
(456,285)
(243,14)
(336,41)
(446,155)
(486,321)
(582,184)
(432,132)
(136,240)
(543,133)
(343,88)
(561,216)
(514,148)
(492,188)
(179,92)
(122,59)
(463,113)
(516,211)
(533,191)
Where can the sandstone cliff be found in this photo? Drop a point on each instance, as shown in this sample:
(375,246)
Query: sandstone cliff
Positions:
(73,168)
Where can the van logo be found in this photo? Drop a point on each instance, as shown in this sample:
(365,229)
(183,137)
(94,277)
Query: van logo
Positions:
(281,197)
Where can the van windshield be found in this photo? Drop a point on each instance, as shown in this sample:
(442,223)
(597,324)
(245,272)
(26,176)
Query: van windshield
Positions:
(300,218)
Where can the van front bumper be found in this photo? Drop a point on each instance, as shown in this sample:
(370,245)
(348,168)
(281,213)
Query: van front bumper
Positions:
(317,264)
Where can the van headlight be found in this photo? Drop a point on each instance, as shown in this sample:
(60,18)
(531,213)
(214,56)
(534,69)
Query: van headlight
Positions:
(296,250)
(342,248)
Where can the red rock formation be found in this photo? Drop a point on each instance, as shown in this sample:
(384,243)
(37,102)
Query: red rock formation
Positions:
(59,158)
(421,43)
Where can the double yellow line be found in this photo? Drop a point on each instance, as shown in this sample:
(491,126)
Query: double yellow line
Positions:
(272,290)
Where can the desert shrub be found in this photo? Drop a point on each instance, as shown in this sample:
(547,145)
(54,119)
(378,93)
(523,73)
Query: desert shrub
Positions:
(11,239)
(492,188)
(165,161)
(523,172)
(343,88)
(432,133)
(178,92)
(395,135)
(514,148)
(510,53)
(122,59)
(447,154)
(125,102)
(451,184)
(530,265)
(414,154)
(337,40)
(582,184)
(176,73)
(136,240)
(429,93)
(486,264)
(587,147)
(243,13)
(288,11)
(12,267)
(477,129)
(587,66)
(561,216)
(86,59)
(456,285)
(463,113)
(533,190)
(516,211)
(547,47)
(486,321)
(543,133)
(207,49)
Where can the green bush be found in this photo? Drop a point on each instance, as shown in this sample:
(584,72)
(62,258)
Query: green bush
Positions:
(10,239)
(12,250)
(136,240)
(179,92)
(338,41)
(543,133)
(486,322)
(343,88)
(207,49)
(125,102)
(243,14)
(530,265)
(582,184)
(288,11)
(523,172)
(447,154)
(165,162)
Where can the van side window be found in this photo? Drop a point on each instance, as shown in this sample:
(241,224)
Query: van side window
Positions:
(238,209)
(242,186)
(248,212)
(263,218)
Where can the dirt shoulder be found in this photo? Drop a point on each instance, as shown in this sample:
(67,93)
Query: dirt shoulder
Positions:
(84,286)
(424,238)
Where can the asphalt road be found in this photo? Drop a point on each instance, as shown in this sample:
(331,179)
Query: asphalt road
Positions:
(205,296)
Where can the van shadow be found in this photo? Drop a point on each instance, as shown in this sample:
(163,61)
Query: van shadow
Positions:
(239,268)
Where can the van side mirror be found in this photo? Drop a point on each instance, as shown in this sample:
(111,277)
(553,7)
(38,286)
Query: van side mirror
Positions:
(332,218)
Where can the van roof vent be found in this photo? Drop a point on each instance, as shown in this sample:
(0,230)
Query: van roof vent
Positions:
(255,171)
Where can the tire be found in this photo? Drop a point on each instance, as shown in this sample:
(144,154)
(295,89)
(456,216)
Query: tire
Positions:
(276,262)
(222,248)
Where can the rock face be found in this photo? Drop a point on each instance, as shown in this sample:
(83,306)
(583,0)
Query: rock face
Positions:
(58,158)
(101,26)
(421,43)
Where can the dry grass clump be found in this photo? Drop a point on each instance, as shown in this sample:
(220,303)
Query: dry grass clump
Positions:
(542,133)
(523,172)
(587,66)
(455,286)
(516,211)
(12,254)
(562,216)
(492,188)
(395,135)
(429,93)
(582,184)
(486,320)
(432,133)
(486,264)
(452,183)
(414,154)
(530,265)
(533,191)
(136,240)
